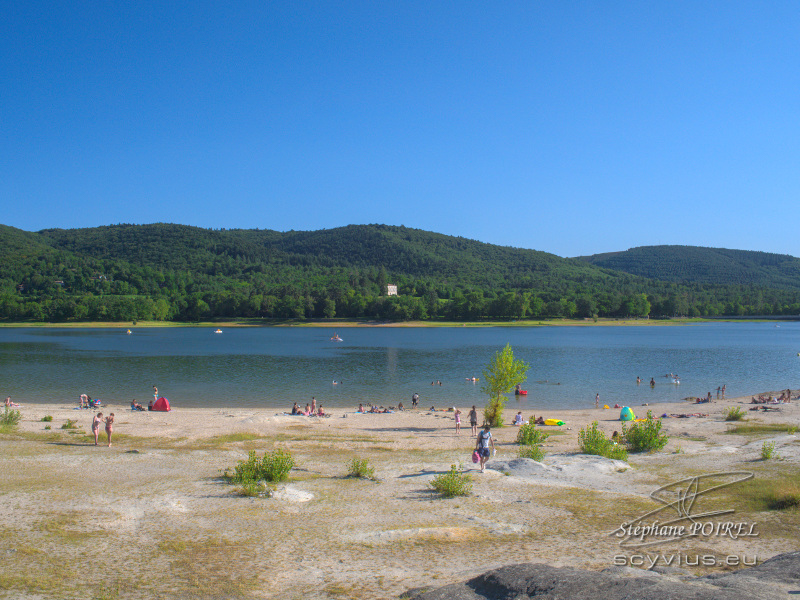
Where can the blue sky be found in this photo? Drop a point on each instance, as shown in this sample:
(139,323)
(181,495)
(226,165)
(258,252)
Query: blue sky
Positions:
(569,127)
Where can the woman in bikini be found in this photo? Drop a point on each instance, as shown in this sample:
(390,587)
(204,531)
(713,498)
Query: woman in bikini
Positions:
(109,427)
(96,426)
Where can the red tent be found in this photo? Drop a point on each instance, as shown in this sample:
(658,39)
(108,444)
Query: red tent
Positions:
(162,404)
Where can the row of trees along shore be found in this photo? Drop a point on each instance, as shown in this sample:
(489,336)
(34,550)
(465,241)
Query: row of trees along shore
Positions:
(179,297)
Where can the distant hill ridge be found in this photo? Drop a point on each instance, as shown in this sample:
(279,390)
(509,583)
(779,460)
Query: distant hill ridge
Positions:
(164,271)
(695,264)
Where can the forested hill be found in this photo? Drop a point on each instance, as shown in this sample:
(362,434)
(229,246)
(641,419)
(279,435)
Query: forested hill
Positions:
(176,272)
(399,250)
(693,264)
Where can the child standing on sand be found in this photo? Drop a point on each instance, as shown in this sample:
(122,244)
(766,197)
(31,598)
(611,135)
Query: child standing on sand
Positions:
(458,422)
(96,426)
(109,428)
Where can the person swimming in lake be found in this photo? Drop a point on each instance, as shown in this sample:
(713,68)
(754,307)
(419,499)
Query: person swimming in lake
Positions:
(652,382)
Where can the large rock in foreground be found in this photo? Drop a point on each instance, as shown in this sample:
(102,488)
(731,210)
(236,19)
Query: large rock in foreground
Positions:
(778,577)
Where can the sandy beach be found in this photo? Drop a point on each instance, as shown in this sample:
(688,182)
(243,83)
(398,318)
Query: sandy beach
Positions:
(152,517)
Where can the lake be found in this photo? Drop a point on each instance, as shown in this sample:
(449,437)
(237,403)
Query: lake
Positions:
(275,366)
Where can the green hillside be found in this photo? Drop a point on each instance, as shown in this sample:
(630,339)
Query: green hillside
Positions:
(693,264)
(176,272)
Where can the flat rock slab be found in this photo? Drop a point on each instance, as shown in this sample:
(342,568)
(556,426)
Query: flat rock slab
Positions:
(776,578)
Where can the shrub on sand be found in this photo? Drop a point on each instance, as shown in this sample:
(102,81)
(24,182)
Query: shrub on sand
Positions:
(768,451)
(530,434)
(274,466)
(533,451)
(593,441)
(453,483)
(360,467)
(9,419)
(734,413)
(645,436)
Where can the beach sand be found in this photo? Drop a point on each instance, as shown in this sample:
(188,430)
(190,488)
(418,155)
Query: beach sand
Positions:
(152,517)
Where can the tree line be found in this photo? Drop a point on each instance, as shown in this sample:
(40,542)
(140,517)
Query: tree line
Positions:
(178,273)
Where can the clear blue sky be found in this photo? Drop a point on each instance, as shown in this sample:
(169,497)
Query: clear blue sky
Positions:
(569,127)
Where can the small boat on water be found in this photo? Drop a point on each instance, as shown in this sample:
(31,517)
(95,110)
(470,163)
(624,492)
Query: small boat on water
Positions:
(218,331)
(129,332)
(336,338)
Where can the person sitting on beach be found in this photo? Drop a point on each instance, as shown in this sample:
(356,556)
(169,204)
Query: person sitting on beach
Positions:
(295,409)
(93,403)
(9,403)
(135,405)
(320,412)
(400,406)
(306,410)
(518,419)
(538,420)
(360,408)
(150,404)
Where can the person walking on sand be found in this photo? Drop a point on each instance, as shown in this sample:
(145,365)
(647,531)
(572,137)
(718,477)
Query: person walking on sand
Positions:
(109,427)
(98,418)
(482,445)
(473,421)
(458,422)
(414,400)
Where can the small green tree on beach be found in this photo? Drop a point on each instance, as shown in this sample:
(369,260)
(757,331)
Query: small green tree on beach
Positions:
(499,377)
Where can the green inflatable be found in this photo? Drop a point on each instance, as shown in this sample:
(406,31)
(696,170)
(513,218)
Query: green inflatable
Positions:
(626,414)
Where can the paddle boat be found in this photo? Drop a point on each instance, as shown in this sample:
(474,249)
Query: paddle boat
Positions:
(336,338)
(218,331)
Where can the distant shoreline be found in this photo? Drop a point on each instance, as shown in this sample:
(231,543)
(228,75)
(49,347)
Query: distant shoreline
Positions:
(604,322)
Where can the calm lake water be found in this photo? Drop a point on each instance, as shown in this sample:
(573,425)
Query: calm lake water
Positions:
(273,367)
